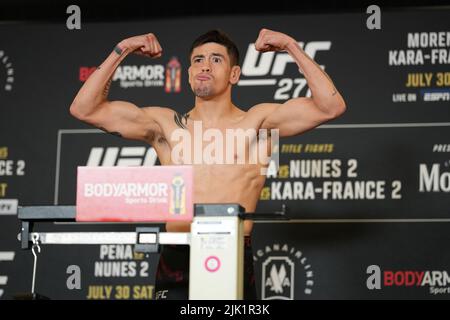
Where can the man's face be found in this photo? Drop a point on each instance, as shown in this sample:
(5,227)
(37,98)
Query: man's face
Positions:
(210,72)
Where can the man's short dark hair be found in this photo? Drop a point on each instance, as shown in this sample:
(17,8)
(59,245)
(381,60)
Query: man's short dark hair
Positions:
(218,36)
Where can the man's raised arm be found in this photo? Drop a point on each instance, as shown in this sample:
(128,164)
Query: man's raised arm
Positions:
(298,115)
(118,117)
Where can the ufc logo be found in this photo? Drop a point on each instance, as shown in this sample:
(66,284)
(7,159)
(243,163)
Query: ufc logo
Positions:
(121,157)
(251,67)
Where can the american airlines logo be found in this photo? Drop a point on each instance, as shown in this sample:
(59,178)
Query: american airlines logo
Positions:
(272,65)
(121,157)
(5,256)
(278,276)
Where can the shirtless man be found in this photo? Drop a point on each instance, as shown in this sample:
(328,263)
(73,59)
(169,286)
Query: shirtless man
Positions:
(213,71)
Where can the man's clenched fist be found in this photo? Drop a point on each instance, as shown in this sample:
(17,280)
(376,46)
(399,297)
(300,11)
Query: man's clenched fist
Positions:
(269,40)
(146,45)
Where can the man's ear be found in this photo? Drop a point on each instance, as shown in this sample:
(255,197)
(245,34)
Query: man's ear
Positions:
(235,74)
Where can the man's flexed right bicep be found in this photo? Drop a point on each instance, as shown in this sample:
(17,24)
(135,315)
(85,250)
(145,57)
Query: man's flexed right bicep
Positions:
(126,120)
(91,104)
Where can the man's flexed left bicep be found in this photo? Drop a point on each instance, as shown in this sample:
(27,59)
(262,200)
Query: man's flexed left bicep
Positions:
(293,117)
(298,115)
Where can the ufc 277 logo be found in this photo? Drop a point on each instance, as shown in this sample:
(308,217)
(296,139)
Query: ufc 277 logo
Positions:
(268,67)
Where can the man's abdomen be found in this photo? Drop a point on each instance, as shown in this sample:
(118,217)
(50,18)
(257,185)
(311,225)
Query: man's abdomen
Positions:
(225,184)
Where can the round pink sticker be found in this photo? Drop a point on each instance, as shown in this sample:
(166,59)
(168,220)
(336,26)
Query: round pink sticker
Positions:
(212,263)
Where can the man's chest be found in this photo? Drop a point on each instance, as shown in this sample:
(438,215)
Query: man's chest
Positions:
(200,144)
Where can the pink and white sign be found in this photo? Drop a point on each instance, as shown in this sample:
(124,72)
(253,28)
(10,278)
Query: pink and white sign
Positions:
(138,194)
